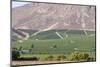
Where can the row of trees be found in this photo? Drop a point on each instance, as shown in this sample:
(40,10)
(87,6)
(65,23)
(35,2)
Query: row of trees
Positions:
(75,56)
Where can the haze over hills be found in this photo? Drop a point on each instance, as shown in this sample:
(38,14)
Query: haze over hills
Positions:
(46,16)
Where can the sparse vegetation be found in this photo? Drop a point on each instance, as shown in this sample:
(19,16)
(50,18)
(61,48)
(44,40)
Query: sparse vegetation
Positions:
(49,58)
(80,56)
(61,57)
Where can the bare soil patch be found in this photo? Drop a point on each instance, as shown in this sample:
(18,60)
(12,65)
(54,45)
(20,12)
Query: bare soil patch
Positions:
(15,63)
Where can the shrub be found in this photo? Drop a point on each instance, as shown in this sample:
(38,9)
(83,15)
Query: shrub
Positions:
(79,56)
(35,58)
(74,56)
(15,54)
(85,56)
(28,58)
(90,59)
(32,46)
(61,57)
(49,58)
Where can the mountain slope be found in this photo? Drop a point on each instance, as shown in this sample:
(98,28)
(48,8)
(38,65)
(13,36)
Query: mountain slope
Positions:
(41,16)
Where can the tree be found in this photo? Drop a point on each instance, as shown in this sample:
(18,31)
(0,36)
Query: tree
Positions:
(54,46)
(32,46)
(15,54)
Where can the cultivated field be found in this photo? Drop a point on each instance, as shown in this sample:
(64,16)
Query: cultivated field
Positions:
(49,43)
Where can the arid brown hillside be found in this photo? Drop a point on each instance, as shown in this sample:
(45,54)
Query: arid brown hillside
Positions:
(46,16)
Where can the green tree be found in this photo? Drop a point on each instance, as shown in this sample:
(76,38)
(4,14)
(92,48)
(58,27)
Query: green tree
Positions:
(32,46)
(15,54)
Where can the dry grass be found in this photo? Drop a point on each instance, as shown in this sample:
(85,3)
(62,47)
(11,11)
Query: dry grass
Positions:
(37,62)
